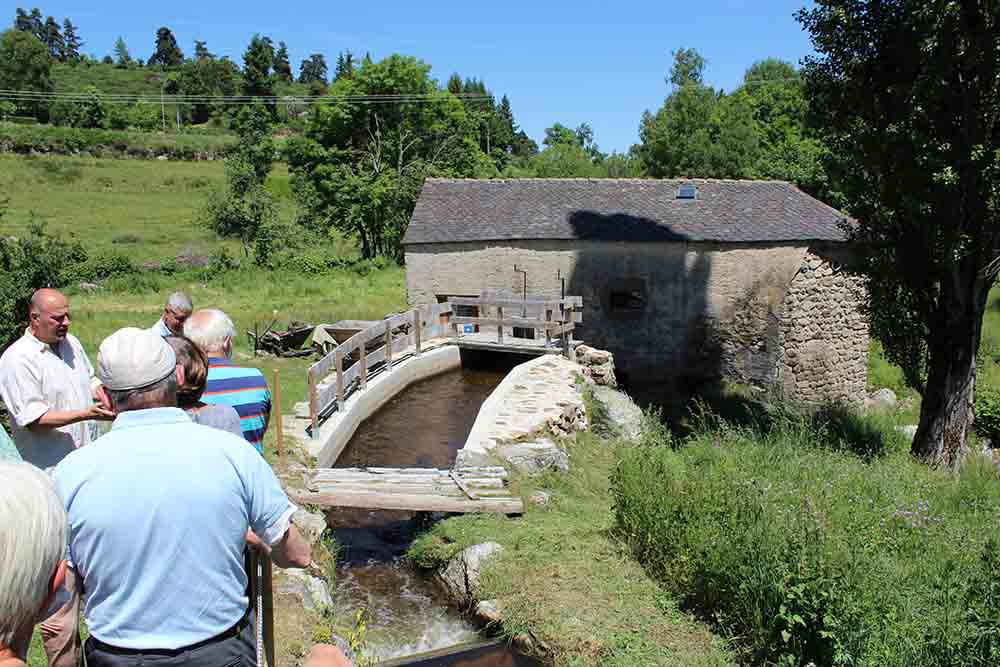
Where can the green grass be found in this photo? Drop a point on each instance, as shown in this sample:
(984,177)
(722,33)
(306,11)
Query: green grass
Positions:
(565,580)
(801,551)
(147,209)
(54,140)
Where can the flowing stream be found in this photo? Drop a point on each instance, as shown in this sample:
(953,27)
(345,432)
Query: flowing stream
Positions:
(424,426)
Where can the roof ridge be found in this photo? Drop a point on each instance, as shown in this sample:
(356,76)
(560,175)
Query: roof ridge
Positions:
(582,179)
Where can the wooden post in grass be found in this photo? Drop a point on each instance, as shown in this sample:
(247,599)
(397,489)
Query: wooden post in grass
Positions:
(276,409)
(417,321)
(313,407)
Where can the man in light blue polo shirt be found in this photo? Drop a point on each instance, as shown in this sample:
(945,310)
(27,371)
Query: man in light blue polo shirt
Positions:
(159,509)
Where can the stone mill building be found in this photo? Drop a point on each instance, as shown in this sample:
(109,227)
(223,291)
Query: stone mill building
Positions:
(684,281)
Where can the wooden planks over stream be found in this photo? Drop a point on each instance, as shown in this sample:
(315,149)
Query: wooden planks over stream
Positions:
(473,489)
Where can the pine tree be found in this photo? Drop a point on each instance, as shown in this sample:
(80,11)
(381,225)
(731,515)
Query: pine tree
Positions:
(257,62)
(37,25)
(345,66)
(22,21)
(282,68)
(455,84)
(201,51)
(122,57)
(313,69)
(166,53)
(71,41)
(54,39)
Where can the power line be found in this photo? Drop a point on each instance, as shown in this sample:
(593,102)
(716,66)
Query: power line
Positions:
(135,98)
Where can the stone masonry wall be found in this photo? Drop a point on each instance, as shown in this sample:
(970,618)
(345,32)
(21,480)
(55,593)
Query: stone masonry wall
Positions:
(824,336)
(668,312)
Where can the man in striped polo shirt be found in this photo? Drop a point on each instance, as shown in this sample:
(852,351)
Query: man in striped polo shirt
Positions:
(241,387)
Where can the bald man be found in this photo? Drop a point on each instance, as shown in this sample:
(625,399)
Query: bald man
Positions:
(47,383)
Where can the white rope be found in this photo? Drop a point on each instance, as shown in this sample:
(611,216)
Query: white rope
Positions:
(260,610)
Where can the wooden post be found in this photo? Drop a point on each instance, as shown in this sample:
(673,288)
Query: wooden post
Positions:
(548,331)
(267,602)
(276,408)
(388,347)
(339,360)
(417,321)
(565,336)
(313,407)
(363,360)
(500,324)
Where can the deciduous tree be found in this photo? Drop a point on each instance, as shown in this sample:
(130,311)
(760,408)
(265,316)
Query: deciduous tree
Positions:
(25,64)
(907,95)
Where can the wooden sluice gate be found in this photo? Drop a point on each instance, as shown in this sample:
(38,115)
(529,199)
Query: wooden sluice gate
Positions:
(474,489)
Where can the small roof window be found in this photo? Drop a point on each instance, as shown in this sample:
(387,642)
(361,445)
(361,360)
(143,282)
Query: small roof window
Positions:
(687,191)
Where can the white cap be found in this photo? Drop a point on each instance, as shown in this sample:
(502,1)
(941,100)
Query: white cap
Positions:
(133,358)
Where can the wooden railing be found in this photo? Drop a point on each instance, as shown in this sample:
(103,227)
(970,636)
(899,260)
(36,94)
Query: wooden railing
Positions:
(368,351)
(555,318)
(378,347)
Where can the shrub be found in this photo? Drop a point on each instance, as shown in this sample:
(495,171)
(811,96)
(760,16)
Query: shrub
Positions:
(988,412)
(804,553)
(107,264)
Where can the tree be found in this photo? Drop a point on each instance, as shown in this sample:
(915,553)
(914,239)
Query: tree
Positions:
(208,77)
(246,209)
(88,111)
(257,62)
(313,68)
(72,42)
(166,53)
(689,68)
(25,65)
(282,68)
(201,51)
(698,133)
(22,21)
(345,66)
(53,39)
(907,96)
(122,56)
(359,168)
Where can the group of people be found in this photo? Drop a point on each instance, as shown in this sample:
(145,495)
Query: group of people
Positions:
(147,524)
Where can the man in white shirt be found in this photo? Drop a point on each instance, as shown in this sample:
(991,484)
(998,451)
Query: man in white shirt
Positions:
(175,314)
(47,382)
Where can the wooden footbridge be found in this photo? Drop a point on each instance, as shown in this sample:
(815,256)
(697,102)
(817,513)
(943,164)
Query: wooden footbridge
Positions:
(483,489)
(530,326)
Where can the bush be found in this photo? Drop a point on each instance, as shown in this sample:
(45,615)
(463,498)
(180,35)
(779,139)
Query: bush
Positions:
(988,412)
(108,264)
(804,553)
(26,139)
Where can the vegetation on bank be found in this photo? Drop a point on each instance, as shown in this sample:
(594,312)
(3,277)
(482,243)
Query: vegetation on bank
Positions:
(815,538)
(565,581)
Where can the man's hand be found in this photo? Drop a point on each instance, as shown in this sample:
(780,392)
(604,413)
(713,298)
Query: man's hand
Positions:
(327,655)
(255,542)
(98,411)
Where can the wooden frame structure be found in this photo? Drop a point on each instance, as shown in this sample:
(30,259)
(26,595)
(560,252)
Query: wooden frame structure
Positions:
(376,348)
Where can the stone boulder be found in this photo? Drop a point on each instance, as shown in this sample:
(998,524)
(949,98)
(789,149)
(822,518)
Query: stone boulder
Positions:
(312,591)
(531,458)
(624,413)
(598,365)
(460,576)
(883,399)
(310,525)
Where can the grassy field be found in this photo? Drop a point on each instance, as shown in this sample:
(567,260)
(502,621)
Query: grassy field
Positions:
(146,208)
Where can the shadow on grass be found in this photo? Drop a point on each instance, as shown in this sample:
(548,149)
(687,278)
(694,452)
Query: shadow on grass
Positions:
(690,410)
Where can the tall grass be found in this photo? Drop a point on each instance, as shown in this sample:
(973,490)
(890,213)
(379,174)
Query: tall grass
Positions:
(803,552)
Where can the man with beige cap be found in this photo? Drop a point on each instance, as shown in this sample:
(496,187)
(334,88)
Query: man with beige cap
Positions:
(158,513)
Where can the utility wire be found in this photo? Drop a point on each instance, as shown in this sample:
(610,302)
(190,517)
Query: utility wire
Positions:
(130,98)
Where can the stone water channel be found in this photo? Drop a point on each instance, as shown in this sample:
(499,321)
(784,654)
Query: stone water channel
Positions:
(423,426)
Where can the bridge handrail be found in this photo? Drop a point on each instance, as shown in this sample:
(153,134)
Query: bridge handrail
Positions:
(423,323)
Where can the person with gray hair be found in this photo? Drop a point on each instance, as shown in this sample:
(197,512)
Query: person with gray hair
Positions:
(175,314)
(32,544)
(159,510)
(241,387)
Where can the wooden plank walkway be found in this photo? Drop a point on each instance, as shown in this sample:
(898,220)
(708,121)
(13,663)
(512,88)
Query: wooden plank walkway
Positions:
(488,341)
(481,489)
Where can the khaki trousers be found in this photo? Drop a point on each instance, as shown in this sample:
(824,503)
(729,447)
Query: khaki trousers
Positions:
(61,630)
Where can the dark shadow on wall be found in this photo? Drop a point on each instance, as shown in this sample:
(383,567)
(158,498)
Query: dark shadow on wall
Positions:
(645,295)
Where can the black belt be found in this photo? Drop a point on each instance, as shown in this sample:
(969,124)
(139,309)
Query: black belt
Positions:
(226,634)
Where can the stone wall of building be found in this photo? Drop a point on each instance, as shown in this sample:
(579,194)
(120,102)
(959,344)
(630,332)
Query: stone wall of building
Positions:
(824,335)
(669,312)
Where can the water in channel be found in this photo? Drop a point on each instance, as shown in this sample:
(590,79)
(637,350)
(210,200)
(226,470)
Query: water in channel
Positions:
(424,426)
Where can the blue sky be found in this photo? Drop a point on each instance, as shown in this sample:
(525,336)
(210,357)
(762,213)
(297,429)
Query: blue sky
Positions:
(593,61)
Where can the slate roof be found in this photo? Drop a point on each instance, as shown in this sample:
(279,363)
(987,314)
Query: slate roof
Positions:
(455,210)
